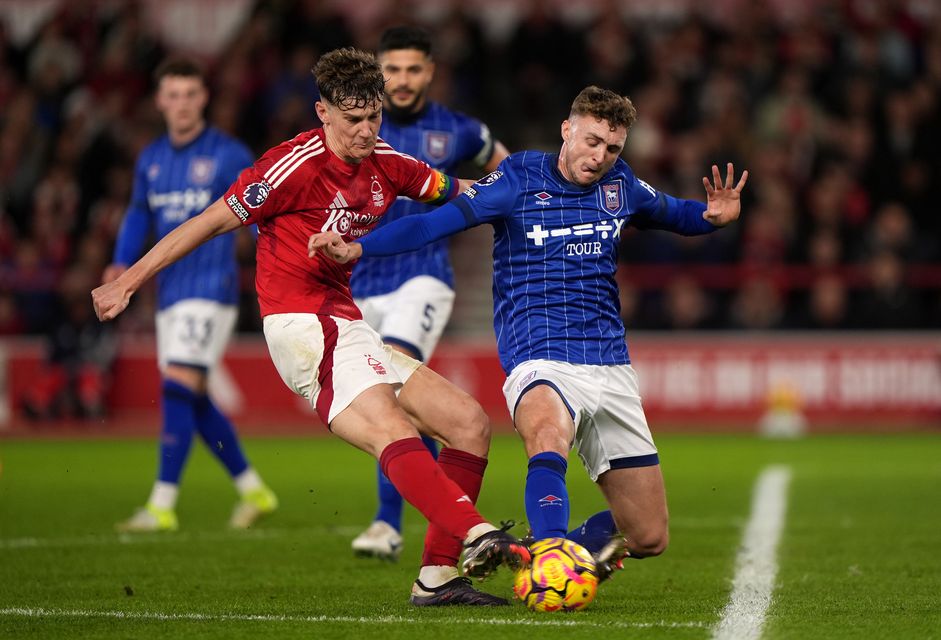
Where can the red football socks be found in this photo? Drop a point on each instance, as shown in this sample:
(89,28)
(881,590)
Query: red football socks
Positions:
(467,470)
(426,486)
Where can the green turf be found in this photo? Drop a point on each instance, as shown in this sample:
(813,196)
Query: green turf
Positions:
(860,556)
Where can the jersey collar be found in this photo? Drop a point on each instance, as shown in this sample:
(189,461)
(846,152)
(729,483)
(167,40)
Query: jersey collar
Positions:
(405,119)
(554,159)
(199,137)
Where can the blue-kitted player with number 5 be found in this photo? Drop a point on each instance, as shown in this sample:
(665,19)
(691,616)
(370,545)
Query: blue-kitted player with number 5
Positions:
(408,298)
(176,177)
(557,222)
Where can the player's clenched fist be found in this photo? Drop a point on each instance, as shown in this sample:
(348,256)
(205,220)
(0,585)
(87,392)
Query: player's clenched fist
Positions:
(110,300)
(332,245)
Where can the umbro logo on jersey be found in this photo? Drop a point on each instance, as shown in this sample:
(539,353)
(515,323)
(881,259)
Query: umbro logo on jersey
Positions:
(543,198)
(550,501)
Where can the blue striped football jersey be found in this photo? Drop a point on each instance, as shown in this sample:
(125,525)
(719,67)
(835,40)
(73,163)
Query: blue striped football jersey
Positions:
(171,185)
(556,253)
(444,139)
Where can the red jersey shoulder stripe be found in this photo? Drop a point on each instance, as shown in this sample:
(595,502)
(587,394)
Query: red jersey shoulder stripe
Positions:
(383,148)
(301,159)
(280,170)
(289,155)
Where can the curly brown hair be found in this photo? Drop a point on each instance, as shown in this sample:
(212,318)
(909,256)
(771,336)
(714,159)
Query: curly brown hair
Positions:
(349,78)
(605,104)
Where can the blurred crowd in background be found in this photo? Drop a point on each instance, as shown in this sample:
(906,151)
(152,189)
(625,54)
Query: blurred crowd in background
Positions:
(834,109)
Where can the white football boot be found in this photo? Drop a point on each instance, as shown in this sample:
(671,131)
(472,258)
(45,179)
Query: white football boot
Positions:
(149,519)
(380,540)
(254,504)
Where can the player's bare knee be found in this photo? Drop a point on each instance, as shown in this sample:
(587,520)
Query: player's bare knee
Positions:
(545,439)
(648,544)
(378,436)
(476,420)
(470,425)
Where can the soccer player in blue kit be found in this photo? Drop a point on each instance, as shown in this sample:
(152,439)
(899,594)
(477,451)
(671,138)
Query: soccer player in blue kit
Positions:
(175,178)
(408,298)
(557,221)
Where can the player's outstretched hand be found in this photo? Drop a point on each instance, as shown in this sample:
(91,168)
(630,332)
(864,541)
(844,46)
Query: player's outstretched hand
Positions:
(110,299)
(723,201)
(332,245)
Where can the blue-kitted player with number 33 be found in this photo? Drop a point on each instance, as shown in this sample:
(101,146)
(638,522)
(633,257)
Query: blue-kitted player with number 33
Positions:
(558,220)
(176,177)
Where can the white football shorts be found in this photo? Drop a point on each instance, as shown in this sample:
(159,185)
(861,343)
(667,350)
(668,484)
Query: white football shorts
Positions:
(194,333)
(611,430)
(329,360)
(412,316)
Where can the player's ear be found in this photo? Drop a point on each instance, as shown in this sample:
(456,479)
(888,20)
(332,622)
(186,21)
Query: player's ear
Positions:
(203,97)
(321,109)
(159,98)
(566,130)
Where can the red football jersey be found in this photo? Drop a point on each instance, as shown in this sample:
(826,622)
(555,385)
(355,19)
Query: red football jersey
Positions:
(300,187)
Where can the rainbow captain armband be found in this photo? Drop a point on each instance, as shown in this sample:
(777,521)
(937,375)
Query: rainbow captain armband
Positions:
(439,188)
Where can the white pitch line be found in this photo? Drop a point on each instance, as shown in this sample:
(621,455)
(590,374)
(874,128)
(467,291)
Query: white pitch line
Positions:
(39,612)
(105,539)
(756,567)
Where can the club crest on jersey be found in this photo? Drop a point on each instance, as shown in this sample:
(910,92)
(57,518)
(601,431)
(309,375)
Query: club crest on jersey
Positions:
(378,198)
(153,171)
(375,364)
(489,179)
(202,170)
(256,193)
(437,146)
(611,197)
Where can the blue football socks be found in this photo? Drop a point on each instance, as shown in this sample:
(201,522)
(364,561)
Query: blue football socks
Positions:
(176,437)
(390,502)
(546,496)
(595,532)
(219,435)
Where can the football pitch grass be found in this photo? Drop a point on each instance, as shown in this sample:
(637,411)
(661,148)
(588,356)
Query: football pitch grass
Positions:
(855,551)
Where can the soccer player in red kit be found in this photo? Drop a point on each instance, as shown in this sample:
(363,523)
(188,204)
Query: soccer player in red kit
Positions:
(342,177)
